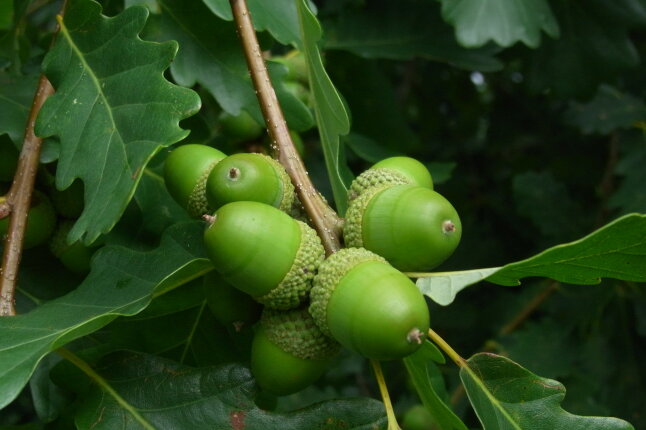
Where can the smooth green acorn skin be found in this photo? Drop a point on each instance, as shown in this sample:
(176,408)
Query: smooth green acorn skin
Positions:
(41,221)
(405,225)
(186,167)
(415,171)
(253,245)
(252,177)
(229,305)
(374,308)
(280,372)
(241,127)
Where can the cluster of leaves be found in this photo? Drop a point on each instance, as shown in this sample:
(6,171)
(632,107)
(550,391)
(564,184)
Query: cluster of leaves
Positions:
(529,114)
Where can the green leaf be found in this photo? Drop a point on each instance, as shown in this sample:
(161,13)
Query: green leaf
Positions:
(331,115)
(442,287)
(501,21)
(508,396)
(592,49)
(404,30)
(112,112)
(16,96)
(279,17)
(122,282)
(168,395)
(211,55)
(608,111)
(429,383)
(617,251)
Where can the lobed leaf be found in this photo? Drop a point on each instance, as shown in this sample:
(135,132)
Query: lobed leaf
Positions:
(168,395)
(404,30)
(609,110)
(121,282)
(16,96)
(508,396)
(617,250)
(429,383)
(331,115)
(112,110)
(501,21)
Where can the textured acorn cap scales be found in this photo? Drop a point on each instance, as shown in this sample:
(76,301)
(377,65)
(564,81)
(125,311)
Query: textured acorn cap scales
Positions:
(296,285)
(352,232)
(372,178)
(330,273)
(295,332)
(263,252)
(289,194)
(197,204)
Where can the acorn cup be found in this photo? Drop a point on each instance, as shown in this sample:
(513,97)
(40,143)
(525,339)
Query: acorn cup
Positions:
(412,227)
(368,306)
(250,177)
(289,352)
(263,252)
(185,173)
(391,171)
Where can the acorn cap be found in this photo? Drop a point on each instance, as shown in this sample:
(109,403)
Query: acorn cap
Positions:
(372,178)
(296,284)
(264,252)
(352,231)
(334,268)
(295,332)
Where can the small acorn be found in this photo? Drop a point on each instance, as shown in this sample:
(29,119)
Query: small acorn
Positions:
(368,306)
(251,177)
(229,305)
(414,228)
(41,221)
(263,252)
(391,171)
(185,173)
(74,256)
(240,128)
(289,352)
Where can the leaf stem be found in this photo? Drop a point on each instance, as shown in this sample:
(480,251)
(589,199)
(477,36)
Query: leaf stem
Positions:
(383,389)
(324,219)
(105,386)
(444,346)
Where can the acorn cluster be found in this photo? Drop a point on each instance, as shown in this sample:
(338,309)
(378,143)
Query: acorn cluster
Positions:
(52,213)
(357,298)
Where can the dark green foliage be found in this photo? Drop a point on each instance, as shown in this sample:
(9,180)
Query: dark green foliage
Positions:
(530,116)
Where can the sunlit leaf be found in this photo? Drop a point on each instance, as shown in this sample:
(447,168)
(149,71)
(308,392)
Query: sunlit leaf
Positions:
(501,21)
(112,112)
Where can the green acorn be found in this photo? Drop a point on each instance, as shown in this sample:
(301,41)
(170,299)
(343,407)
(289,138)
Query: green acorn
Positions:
(412,227)
(368,306)
(241,127)
(263,252)
(41,221)
(251,177)
(229,305)
(75,256)
(391,171)
(185,173)
(289,352)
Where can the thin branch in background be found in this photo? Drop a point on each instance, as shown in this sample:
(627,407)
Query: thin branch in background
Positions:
(18,199)
(529,309)
(323,218)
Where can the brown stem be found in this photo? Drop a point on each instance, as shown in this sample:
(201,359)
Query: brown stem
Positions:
(324,219)
(18,199)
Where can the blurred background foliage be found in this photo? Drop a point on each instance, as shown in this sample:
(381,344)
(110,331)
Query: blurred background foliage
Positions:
(534,132)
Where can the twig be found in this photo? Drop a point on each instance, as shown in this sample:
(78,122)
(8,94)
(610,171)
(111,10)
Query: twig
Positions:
(383,389)
(324,219)
(18,199)
(461,362)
